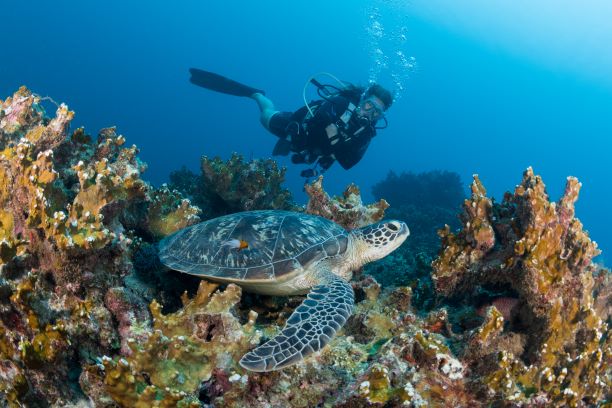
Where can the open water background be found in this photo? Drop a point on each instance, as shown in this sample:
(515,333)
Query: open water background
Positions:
(483,87)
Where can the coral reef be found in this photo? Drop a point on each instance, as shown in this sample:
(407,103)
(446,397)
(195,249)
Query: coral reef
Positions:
(169,212)
(68,209)
(425,200)
(427,189)
(225,187)
(347,210)
(558,350)
(88,317)
(183,349)
(385,356)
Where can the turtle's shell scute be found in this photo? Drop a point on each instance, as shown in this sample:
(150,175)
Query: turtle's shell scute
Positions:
(279,243)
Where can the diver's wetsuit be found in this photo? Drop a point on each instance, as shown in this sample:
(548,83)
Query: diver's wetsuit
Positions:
(310,140)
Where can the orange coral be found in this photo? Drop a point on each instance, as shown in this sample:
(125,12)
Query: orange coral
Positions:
(348,210)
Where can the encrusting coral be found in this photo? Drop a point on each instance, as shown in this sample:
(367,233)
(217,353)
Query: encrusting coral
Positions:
(522,316)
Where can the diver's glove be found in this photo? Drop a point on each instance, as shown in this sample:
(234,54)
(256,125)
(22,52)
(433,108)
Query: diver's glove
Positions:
(308,173)
(325,162)
(298,158)
(303,157)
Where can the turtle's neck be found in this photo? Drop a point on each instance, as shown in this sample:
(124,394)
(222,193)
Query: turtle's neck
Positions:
(354,257)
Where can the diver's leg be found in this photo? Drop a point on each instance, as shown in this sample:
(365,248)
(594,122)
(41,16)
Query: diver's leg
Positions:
(275,122)
(266,107)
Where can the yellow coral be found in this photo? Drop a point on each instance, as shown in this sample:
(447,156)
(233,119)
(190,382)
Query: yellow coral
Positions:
(546,262)
(182,350)
(468,246)
(169,212)
(493,325)
(566,377)
(45,347)
(377,387)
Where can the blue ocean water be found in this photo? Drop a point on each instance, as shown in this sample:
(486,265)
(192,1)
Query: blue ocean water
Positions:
(466,102)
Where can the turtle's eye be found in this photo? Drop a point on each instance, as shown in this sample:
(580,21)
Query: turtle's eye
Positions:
(393,226)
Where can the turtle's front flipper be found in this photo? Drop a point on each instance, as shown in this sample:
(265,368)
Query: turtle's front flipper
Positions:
(310,327)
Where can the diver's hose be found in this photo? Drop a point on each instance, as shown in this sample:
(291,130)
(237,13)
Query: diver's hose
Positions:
(310,79)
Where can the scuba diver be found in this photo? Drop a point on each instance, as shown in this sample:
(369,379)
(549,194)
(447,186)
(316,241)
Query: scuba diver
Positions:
(338,127)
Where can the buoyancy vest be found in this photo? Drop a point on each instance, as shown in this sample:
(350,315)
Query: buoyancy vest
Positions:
(319,137)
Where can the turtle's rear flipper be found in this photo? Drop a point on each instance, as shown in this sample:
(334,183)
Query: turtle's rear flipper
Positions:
(309,328)
(218,83)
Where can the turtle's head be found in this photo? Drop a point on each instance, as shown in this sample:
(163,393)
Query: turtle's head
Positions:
(378,240)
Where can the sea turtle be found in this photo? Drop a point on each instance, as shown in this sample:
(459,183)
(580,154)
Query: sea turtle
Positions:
(283,253)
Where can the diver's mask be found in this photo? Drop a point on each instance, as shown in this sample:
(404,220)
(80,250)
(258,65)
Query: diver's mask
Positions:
(371,108)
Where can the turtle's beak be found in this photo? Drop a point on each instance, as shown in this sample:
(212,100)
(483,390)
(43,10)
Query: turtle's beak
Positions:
(405,230)
(403,233)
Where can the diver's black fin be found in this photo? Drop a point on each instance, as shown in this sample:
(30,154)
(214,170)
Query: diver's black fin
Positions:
(219,83)
(282,148)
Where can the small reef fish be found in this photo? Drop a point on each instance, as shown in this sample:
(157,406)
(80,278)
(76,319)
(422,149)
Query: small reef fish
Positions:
(236,244)
(505,305)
